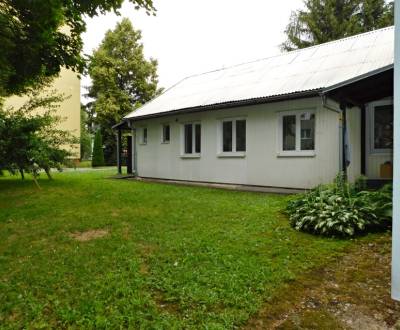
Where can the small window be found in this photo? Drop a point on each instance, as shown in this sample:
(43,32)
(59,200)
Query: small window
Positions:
(234,135)
(165,133)
(144,136)
(192,139)
(297,131)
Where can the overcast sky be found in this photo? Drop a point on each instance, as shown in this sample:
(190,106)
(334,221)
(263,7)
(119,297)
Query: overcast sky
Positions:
(192,36)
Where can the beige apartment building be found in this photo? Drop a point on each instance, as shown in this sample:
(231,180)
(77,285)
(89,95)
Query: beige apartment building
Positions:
(68,84)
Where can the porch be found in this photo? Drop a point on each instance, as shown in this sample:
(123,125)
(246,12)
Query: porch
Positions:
(368,100)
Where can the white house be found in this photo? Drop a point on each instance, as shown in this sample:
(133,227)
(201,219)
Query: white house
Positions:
(290,121)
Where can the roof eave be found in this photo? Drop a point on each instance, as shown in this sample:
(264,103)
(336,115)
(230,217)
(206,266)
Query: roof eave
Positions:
(233,104)
(356,79)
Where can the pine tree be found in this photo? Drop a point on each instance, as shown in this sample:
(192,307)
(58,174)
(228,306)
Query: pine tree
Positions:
(98,155)
(326,20)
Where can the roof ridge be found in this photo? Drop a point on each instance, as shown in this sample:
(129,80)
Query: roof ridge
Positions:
(282,54)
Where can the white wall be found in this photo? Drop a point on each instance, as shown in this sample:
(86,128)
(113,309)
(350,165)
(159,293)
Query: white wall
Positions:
(354,129)
(261,165)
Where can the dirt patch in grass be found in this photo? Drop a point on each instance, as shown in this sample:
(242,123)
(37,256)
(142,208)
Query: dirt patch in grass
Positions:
(89,235)
(353,292)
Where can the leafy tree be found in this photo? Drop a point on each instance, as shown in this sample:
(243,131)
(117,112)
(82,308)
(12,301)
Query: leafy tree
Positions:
(122,80)
(34,46)
(98,155)
(30,139)
(326,20)
(86,139)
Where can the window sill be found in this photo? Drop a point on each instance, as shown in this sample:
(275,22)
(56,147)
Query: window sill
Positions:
(142,144)
(232,155)
(165,142)
(190,156)
(296,154)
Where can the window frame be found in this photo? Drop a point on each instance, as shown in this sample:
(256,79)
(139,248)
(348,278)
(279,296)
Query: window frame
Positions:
(194,154)
(234,153)
(297,152)
(371,127)
(143,141)
(163,140)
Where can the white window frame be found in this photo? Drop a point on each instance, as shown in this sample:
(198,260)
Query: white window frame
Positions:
(193,154)
(371,127)
(141,135)
(163,141)
(297,152)
(220,134)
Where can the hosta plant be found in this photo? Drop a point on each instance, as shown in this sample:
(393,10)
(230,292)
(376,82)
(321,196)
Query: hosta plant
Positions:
(341,209)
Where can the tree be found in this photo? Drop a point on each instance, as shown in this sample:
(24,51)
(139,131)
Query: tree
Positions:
(34,46)
(326,20)
(30,140)
(85,139)
(98,156)
(122,80)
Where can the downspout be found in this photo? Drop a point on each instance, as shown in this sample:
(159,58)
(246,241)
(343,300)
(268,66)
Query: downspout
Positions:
(344,133)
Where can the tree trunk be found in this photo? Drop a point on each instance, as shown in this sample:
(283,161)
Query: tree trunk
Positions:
(47,170)
(21,171)
(36,182)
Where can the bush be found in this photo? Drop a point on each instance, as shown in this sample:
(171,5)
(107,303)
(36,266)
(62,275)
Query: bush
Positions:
(98,155)
(341,209)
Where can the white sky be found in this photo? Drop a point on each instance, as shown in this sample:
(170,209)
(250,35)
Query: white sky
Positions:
(192,36)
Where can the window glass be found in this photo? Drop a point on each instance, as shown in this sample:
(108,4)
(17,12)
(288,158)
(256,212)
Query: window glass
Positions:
(383,127)
(188,138)
(307,131)
(198,138)
(144,135)
(289,132)
(166,131)
(227,136)
(241,135)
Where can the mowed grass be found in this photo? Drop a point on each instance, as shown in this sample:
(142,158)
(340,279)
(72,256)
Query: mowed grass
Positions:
(174,256)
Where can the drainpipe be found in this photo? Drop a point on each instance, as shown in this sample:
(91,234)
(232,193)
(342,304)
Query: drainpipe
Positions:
(396,158)
(344,134)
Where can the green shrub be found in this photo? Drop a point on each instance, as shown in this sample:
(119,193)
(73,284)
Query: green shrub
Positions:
(98,155)
(341,209)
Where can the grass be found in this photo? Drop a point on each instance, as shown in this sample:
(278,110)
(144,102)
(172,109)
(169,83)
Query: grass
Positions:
(174,257)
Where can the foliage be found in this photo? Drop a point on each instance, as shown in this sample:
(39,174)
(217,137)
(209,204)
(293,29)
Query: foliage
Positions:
(39,37)
(327,20)
(98,155)
(160,267)
(122,80)
(341,209)
(86,138)
(29,137)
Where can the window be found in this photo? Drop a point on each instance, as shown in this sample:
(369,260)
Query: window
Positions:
(192,139)
(234,136)
(383,127)
(143,136)
(297,132)
(165,133)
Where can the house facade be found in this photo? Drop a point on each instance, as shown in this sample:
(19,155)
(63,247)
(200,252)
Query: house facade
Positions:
(68,84)
(291,121)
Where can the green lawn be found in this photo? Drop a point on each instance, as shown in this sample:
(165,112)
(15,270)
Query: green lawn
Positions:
(174,257)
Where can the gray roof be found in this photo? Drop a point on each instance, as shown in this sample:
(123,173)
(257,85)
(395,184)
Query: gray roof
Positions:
(310,69)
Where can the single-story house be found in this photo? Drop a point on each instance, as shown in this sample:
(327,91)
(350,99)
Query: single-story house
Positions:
(290,121)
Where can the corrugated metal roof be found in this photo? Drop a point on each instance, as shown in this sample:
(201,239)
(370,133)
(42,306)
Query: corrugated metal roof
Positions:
(314,68)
